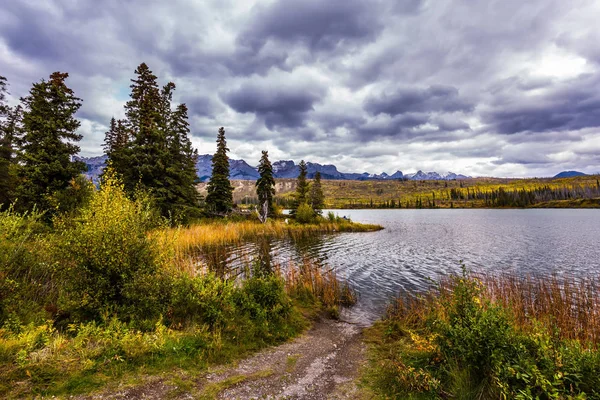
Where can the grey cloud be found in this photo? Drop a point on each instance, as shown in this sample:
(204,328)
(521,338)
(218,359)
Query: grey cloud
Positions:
(316,24)
(414,99)
(279,106)
(201,106)
(340,78)
(568,106)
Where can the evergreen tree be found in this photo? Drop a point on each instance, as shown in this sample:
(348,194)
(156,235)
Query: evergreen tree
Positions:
(49,135)
(302,188)
(317,199)
(183,198)
(148,148)
(9,121)
(220,192)
(117,147)
(265,187)
(151,149)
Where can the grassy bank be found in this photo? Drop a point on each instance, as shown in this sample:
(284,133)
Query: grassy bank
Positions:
(490,338)
(96,299)
(223,232)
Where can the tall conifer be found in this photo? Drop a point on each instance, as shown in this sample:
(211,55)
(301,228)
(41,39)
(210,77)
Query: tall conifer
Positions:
(151,149)
(265,187)
(181,169)
(220,192)
(148,147)
(9,119)
(317,199)
(302,188)
(49,137)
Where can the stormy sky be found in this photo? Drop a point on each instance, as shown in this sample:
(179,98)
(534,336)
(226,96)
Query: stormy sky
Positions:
(501,88)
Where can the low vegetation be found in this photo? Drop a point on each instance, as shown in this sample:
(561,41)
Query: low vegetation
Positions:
(490,337)
(98,296)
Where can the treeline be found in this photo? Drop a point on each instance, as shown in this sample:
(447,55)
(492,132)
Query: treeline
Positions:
(149,151)
(461,197)
(525,197)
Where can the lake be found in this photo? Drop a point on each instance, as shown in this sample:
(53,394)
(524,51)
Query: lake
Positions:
(419,245)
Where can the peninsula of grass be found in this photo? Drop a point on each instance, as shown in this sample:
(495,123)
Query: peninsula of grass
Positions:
(490,338)
(226,232)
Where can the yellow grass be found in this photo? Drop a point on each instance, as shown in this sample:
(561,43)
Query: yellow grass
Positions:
(184,243)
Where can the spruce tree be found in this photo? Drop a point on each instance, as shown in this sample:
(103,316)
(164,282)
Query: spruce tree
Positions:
(9,119)
(317,199)
(302,188)
(183,197)
(49,136)
(148,148)
(265,187)
(220,192)
(151,149)
(117,148)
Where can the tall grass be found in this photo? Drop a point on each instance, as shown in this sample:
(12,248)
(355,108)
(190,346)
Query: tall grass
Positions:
(569,306)
(186,243)
(310,281)
(479,337)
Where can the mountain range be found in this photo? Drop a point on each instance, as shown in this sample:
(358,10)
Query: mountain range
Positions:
(240,169)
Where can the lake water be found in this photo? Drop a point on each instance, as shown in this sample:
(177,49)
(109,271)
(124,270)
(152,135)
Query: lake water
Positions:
(419,245)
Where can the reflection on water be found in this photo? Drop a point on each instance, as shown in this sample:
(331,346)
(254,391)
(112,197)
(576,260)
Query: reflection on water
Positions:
(419,245)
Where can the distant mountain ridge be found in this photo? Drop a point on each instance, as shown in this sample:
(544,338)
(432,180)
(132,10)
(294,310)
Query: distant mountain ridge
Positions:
(240,169)
(569,174)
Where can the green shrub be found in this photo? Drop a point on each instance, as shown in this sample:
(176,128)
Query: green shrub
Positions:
(331,217)
(25,278)
(305,214)
(203,299)
(107,260)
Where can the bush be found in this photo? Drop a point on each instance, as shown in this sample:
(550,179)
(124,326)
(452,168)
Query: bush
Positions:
(108,262)
(305,214)
(25,278)
(204,299)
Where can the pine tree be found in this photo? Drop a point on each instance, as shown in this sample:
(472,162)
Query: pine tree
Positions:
(302,188)
(151,149)
(265,187)
(117,148)
(220,192)
(317,199)
(49,136)
(148,147)
(183,198)
(9,120)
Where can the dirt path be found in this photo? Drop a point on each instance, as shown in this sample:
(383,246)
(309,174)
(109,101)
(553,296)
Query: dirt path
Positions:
(324,363)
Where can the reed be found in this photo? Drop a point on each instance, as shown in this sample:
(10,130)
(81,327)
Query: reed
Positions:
(487,336)
(312,280)
(184,243)
(567,306)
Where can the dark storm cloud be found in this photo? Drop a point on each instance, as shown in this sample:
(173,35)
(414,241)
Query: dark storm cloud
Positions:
(278,106)
(201,106)
(564,107)
(413,99)
(319,25)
